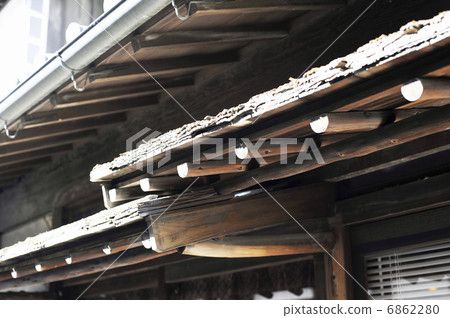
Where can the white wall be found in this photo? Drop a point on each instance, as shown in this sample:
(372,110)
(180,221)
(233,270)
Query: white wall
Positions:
(23,38)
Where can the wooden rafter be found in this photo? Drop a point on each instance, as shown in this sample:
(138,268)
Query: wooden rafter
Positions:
(148,87)
(90,110)
(162,66)
(392,135)
(258,6)
(57,128)
(42,143)
(176,39)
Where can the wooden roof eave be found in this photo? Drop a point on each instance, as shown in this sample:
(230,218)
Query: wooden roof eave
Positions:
(370,63)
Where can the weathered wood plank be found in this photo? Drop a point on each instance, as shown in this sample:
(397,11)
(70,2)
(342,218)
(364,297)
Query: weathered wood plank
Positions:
(184,227)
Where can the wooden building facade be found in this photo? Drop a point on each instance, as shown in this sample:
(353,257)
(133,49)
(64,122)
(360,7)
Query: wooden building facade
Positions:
(334,185)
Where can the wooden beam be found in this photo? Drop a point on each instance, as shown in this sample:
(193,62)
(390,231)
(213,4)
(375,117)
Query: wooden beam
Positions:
(169,183)
(325,140)
(408,198)
(267,149)
(389,136)
(32,155)
(208,168)
(162,66)
(43,143)
(91,110)
(349,122)
(257,6)
(260,246)
(130,257)
(116,195)
(420,89)
(387,158)
(147,87)
(191,225)
(177,39)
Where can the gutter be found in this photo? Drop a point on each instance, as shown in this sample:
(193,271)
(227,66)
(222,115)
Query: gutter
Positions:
(119,22)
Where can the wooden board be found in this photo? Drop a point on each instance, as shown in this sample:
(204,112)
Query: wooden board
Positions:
(183,227)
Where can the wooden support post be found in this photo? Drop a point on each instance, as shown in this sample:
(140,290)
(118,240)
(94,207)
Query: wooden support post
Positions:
(342,284)
(162,283)
(259,246)
(322,283)
(105,193)
(208,168)
(426,89)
